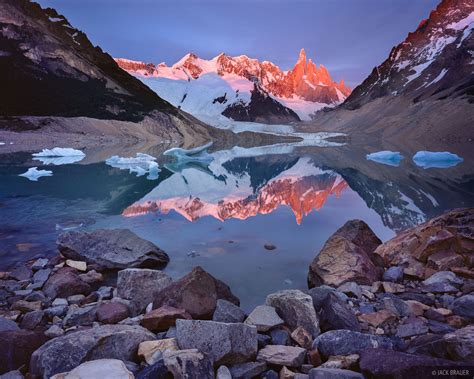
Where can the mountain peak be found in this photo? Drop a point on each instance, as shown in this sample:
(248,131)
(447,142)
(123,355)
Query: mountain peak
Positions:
(302,56)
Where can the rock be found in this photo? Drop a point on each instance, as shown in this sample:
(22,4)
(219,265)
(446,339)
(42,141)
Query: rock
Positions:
(32,320)
(91,277)
(227,312)
(336,314)
(351,289)
(16,347)
(428,344)
(263,340)
(6,325)
(59,301)
(395,305)
(378,318)
(197,293)
(39,264)
(460,344)
(393,274)
(382,363)
(319,295)
(264,318)
(65,282)
(390,287)
(140,286)
(223,373)
(161,319)
(346,256)
(100,368)
(450,233)
(286,373)
(333,373)
(54,331)
(26,306)
(341,361)
(282,355)
(78,265)
(157,370)
(247,370)
(412,327)
(58,311)
(223,343)
(62,354)
(188,364)
(16,374)
(41,276)
(36,296)
(302,337)
(270,374)
(111,249)
(80,316)
(76,299)
(439,327)
(464,306)
(21,272)
(111,313)
(148,350)
(345,342)
(417,308)
(280,337)
(296,309)
(446,277)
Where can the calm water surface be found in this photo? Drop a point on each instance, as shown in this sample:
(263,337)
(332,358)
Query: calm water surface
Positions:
(220,215)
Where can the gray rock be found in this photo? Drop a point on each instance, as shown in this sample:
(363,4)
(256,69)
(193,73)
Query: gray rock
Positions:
(12,375)
(280,355)
(464,306)
(62,354)
(65,282)
(106,292)
(54,331)
(351,289)
(80,316)
(36,296)
(100,368)
(270,374)
(263,340)
(446,277)
(111,249)
(140,286)
(392,303)
(264,318)
(345,342)
(336,314)
(319,295)
(223,373)
(280,337)
(188,364)
(393,274)
(75,299)
(247,370)
(58,311)
(32,320)
(41,276)
(439,327)
(6,324)
(333,373)
(296,309)
(412,327)
(223,343)
(227,312)
(460,344)
(39,264)
(59,301)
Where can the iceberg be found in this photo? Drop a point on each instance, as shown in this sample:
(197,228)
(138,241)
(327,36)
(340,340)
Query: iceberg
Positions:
(387,157)
(59,156)
(436,159)
(199,154)
(34,174)
(141,164)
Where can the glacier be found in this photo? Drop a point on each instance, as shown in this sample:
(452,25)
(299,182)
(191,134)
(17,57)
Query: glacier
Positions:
(141,164)
(387,157)
(436,159)
(34,174)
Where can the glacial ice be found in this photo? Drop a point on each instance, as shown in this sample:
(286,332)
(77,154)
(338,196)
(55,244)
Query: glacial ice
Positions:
(198,154)
(34,174)
(387,157)
(141,164)
(436,159)
(60,152)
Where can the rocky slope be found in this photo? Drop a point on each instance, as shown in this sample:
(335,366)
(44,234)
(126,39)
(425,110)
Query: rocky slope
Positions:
(303,89)
(425,86)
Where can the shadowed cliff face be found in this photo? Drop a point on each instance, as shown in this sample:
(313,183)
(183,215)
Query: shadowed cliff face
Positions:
(47,67)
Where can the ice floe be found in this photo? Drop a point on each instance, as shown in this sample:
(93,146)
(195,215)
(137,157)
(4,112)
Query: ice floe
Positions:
(59,156)
(387,157)
(198,154)
(141,164)
(436,159)
(34,174)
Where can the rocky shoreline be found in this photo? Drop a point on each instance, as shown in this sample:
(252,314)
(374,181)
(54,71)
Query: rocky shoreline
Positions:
(103,308)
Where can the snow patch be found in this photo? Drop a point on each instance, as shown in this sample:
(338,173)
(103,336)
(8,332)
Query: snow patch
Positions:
(438,159)
(34,174)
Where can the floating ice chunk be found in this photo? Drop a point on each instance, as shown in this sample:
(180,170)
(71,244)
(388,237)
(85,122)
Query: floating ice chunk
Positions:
(197,154)
(141,164)
(57,161)
(390,158)
(60,152)
(34,174)
(436,159)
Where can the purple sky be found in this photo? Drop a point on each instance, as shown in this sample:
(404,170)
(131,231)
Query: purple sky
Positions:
(349,37)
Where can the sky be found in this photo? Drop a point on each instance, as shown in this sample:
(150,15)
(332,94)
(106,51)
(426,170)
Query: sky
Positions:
(349,37)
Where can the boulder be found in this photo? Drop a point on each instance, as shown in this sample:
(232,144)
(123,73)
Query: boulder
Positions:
(80,316)
(464,306)
(264,318)
(140,286)
(16,347)
(223,343)
(32,320)
(100,368)
(333,373)
(345,342)
(460,344)
(157,370)
(65,282)
(302,337)
(111,249)
(197,293)
(319,295)
(111,313)
(188,364)
(381,363)
(346,256)
(449,234)
(296,309)
(6,325)
(378,318)
(63,353)
(227,312)
(247,370)
(393,274)
(223,373)
(342,361)
(161,319)
(281,355)
(280,337)
(412,326)
(149,350)
(336,314)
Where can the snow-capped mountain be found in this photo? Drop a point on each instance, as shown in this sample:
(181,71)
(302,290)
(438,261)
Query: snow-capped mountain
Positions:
(241,88)
(435,61)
